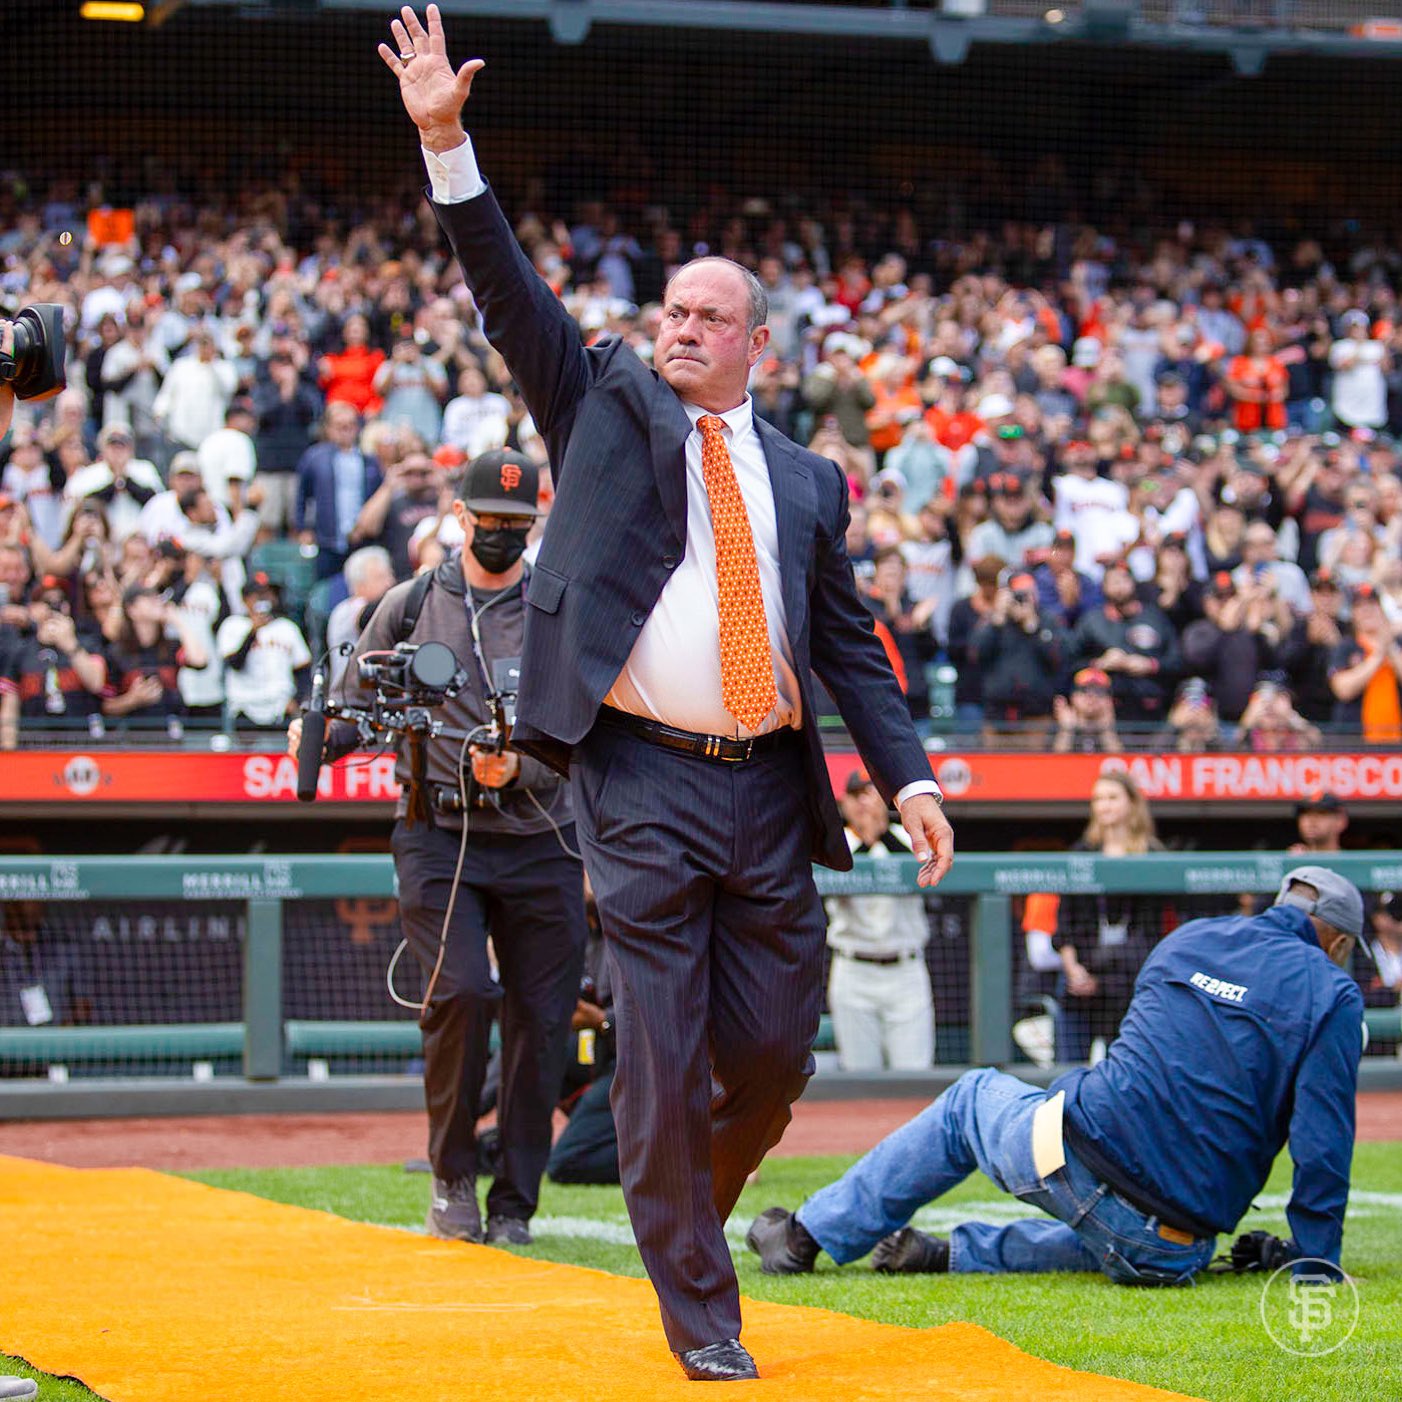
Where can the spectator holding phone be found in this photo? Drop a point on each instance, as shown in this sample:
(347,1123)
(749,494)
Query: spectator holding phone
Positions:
(1019,655)
(54,675)
(1194,726)
(1270,721)
(1063,592)
(908,622)
(155,642)
(1261,562)
(413,387)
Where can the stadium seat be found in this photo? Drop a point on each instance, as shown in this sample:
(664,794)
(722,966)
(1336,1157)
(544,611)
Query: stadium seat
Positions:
(318,613)
(283,562)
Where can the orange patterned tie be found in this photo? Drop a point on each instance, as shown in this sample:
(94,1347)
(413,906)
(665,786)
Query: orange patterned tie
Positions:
(746,667)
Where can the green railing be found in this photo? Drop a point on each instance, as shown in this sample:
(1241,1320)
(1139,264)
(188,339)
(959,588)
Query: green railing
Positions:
(266,1042)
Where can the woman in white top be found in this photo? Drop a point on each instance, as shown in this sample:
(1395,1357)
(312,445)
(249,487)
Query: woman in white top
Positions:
(1360,384)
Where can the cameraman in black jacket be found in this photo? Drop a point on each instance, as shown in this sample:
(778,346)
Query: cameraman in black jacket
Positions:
(513,876)
(1020,655)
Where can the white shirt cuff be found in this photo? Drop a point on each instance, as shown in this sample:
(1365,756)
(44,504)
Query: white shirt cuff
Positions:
(453,175)
(919,786)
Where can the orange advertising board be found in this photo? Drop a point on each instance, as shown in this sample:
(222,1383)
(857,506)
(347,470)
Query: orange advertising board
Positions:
(180,777)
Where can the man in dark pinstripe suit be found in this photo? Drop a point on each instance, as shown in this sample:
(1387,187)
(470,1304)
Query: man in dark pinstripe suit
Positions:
(693,576)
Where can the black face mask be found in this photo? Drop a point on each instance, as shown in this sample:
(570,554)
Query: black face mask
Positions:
(496,551)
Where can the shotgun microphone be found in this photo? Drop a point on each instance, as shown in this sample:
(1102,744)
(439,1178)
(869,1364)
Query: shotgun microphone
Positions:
(313,740)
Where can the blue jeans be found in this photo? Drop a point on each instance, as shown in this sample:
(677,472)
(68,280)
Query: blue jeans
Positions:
(984,1120)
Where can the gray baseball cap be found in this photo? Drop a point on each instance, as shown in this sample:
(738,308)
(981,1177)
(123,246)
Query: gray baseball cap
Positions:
(1339,901)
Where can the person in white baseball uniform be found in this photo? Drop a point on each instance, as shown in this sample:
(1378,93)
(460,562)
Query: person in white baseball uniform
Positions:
(883,1010)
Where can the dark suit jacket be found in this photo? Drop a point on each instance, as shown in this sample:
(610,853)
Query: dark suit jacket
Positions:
(316,482)
(617,435)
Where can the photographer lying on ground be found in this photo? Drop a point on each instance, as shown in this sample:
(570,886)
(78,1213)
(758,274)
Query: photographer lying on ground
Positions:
(1244,1032)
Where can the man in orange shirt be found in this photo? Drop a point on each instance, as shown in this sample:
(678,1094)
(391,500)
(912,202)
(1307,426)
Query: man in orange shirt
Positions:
(897,402)
(952,424)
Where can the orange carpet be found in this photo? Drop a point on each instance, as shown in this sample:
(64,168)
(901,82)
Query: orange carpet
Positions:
(152,1289)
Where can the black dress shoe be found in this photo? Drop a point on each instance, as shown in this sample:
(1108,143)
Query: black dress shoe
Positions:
(781,1242)
(911,1252)
(725,1362)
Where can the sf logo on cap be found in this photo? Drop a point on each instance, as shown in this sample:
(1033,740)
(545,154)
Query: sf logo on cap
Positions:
(510,476)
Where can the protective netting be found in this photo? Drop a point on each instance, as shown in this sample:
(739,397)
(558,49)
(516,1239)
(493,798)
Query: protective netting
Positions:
(122,989)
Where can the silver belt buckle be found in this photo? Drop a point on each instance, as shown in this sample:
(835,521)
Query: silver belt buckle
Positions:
(749,743)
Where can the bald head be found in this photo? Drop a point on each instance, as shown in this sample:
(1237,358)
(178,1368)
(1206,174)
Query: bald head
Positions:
(711,333)
(755,295)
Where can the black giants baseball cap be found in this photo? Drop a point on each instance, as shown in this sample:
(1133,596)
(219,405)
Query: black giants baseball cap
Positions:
(501,483)
(1319,803)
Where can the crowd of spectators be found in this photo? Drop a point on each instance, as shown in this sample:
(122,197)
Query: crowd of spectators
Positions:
(1104,490)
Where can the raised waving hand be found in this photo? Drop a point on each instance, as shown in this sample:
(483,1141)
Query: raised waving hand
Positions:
(433,93)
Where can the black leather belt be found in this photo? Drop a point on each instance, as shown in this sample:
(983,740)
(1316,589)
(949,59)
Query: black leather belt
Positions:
(723,749)
(878,958)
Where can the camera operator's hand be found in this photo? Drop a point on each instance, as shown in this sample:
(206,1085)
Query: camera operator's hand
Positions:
(7,395)
(494,771)
(294,737)
(589,1015)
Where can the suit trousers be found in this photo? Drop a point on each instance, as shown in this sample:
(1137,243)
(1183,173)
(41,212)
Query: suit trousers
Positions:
(527,894)
(714,932)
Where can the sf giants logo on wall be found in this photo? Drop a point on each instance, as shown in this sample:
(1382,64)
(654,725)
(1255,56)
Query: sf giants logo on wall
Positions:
(510,476)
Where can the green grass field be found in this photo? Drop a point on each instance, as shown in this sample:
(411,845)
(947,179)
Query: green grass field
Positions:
(1208,1341)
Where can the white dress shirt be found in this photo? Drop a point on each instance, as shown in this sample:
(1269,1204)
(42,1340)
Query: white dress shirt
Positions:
(673,672)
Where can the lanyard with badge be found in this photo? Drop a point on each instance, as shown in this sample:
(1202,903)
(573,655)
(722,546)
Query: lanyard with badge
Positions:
(33,996)
(1112,933)
(500,680)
